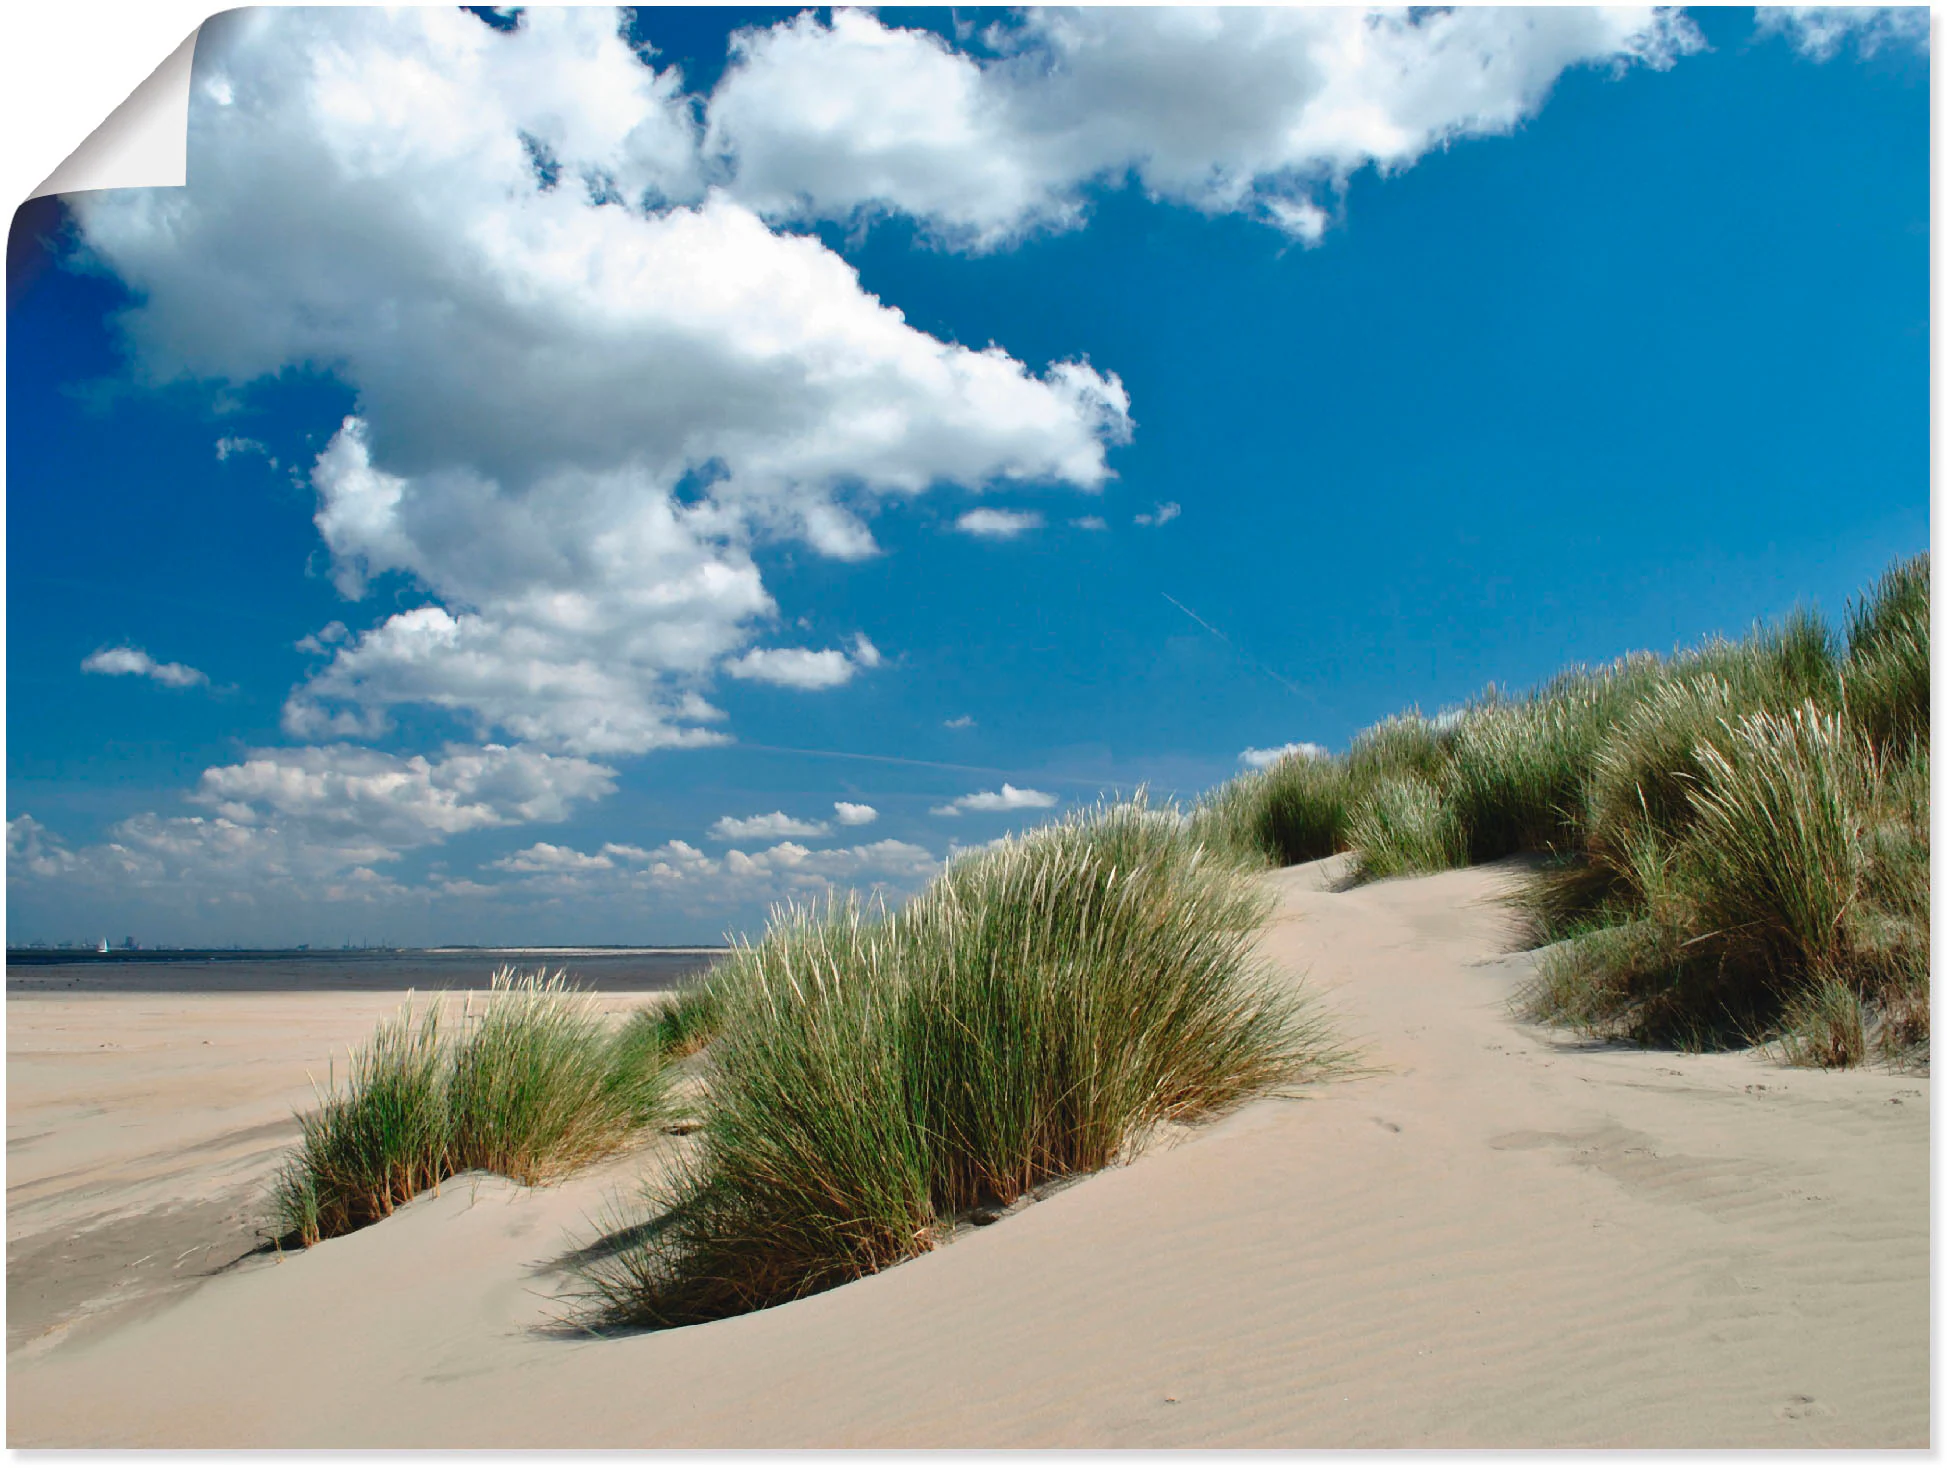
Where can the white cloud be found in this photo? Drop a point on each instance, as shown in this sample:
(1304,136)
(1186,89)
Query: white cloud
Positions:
(1168,511)
(314,825)
(126,660)
(405,801)
(1259,760)
(203,858)
(545,857)
(1263,112)
(802,668)
(538,368)
(1000,524)
(959,722)
(32,849)
(959,849)
(676,868)
(616,868)
(231,444)
(1819,32)
(1089,523)
(855,813)
(773,824)
(1007,799)
(818,867)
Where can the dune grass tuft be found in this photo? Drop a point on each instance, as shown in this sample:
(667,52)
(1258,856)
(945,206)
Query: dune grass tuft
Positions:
(1514,775)
(1404,825)
(364,1152)
(537,1086)
(1292,812)
(1738,832)
(1035,1013)
(1886,674)
(1779,852)
(533,1085)
(1755,865)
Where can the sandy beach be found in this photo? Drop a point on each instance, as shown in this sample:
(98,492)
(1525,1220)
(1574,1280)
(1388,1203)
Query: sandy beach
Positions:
(1499,1236)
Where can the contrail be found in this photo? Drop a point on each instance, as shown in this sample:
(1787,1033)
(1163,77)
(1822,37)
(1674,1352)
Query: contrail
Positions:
(1261,668)
(906,760)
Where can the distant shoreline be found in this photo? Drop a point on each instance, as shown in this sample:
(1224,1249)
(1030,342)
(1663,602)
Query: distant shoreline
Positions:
(364,954)
(237,971)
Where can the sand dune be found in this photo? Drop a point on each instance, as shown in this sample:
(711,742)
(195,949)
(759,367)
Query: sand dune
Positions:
(1500,1237)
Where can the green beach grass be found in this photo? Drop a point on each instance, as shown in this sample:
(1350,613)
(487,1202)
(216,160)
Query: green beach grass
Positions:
(876,1078)
(531,1084)
(1736,835)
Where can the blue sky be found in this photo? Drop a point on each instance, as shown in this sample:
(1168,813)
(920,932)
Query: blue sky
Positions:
(520,488)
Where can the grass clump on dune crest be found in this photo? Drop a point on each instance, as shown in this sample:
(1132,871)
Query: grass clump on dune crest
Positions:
(1399,746)
(1514,776)
(364,1152)
(1405,825)
(533,1085)
(1779,851)
(1739,831)
(1756,858)
(1291,812)
(1036,1012)
(1886,675)
(538,1085)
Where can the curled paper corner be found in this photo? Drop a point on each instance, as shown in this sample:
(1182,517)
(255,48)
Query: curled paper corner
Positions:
(143,144)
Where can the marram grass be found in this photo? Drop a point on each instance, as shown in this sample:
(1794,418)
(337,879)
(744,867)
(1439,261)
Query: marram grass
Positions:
(530,1083)
(1738,833)
(1036,1012)
(1291,812)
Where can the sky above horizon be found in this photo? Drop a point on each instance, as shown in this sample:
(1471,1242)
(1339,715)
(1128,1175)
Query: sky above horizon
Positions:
(568,477)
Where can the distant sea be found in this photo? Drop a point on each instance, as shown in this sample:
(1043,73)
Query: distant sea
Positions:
(31,971)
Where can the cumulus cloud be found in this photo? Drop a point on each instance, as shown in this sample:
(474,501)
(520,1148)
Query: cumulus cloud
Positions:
(32,849)
(855,813)
(959,722)
(1089,523)
(1263,112)
(404,800)
(205,858)
(314,825)
(999,524)
(1819,32)
(677,869)
(773,824)
(1258,760)
(1168,511)
(545,857)
(1007,799)
(504,243)
(125,660)
(801,668)
(817,867)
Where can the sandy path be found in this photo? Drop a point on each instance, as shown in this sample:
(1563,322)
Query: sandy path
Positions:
(1504,1238)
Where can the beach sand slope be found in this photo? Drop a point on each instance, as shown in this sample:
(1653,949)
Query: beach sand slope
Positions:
(1501,1236)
